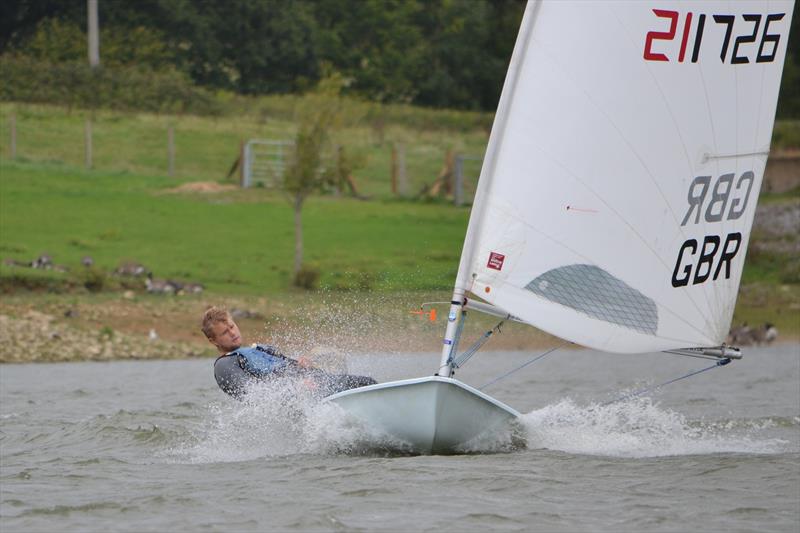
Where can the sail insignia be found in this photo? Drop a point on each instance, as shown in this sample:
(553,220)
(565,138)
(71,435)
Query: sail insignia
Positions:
(594,292)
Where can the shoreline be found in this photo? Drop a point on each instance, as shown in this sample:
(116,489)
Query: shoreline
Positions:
(48,328)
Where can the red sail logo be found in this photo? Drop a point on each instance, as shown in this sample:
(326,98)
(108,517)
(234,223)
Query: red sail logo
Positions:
(496,261)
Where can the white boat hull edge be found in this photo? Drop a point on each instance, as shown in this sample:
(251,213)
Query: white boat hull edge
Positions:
(430,415)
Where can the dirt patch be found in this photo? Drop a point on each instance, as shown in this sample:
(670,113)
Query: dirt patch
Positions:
(777,227)
(205,187)
(783,171)
(34,336)
(47,327)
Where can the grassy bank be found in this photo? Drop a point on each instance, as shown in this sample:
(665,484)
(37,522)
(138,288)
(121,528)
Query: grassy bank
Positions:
(232,241)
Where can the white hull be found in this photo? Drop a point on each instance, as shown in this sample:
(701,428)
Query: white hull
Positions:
(428,415)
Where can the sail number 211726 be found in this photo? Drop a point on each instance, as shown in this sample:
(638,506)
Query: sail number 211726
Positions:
(748,43)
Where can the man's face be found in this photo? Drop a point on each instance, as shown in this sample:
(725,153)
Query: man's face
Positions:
(226,336)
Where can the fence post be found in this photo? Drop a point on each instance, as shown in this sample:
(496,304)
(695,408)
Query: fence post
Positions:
(246,164)
(458,192)
(448,176)
(13,126)
(241,163)
(402,179)
(171,151)
(394,168)
(88,143)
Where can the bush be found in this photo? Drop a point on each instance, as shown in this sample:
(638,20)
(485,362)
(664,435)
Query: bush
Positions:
(17,281)
(306,278)
(94,279)
(75,84)
(361,281)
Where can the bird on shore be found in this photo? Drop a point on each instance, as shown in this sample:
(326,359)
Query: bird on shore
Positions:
(159,286)
(43,261)
(744,335)
(131,269)
(192,288)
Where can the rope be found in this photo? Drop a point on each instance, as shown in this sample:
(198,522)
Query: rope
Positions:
(523,365)
(464,357)
(721,362)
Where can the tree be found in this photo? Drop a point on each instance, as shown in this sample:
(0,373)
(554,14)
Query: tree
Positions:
(320,113)
(789,99)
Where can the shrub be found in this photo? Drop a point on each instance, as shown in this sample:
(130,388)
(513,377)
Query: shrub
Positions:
(94,279)
(75,84)
(306,278)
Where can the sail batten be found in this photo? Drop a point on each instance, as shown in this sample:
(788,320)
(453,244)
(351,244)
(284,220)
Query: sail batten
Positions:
(617,197)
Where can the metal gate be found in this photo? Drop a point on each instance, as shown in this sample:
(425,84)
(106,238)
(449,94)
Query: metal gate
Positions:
(265,162)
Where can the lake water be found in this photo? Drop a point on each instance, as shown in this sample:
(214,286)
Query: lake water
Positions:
(155,446)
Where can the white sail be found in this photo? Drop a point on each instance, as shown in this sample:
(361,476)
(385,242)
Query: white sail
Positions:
(620,183)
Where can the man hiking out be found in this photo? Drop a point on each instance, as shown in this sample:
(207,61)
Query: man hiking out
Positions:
(237,367)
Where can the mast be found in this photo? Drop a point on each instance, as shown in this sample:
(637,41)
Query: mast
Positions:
(456,312)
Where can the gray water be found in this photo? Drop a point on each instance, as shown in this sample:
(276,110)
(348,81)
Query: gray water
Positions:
(155,446)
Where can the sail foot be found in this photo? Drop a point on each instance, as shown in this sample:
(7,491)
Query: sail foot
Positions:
(719,352)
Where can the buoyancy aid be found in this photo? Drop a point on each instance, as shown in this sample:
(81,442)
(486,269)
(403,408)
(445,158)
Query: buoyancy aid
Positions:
(235,369)
(261,361)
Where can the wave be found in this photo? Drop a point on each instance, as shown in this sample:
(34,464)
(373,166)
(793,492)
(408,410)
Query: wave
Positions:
(276,421)
(640,428)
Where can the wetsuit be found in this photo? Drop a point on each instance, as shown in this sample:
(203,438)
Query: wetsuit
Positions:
(235,370)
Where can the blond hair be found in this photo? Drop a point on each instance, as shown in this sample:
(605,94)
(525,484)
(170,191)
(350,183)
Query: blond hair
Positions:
(214,315)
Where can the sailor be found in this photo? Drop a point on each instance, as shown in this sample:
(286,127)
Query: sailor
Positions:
(239,366)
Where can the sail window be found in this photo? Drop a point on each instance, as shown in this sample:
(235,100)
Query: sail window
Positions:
(592,291)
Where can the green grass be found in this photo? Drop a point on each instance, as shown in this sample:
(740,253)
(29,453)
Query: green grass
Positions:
(762,302)
(206,147)
(236,242)
(240,241)
(778,197)
(786,134)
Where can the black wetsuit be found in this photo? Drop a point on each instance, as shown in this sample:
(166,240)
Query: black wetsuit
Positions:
(235,370)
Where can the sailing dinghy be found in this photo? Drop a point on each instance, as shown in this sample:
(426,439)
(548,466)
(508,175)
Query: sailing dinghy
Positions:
(616,197)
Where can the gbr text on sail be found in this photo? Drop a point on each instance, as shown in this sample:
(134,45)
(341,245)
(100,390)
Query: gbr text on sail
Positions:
(712,201)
